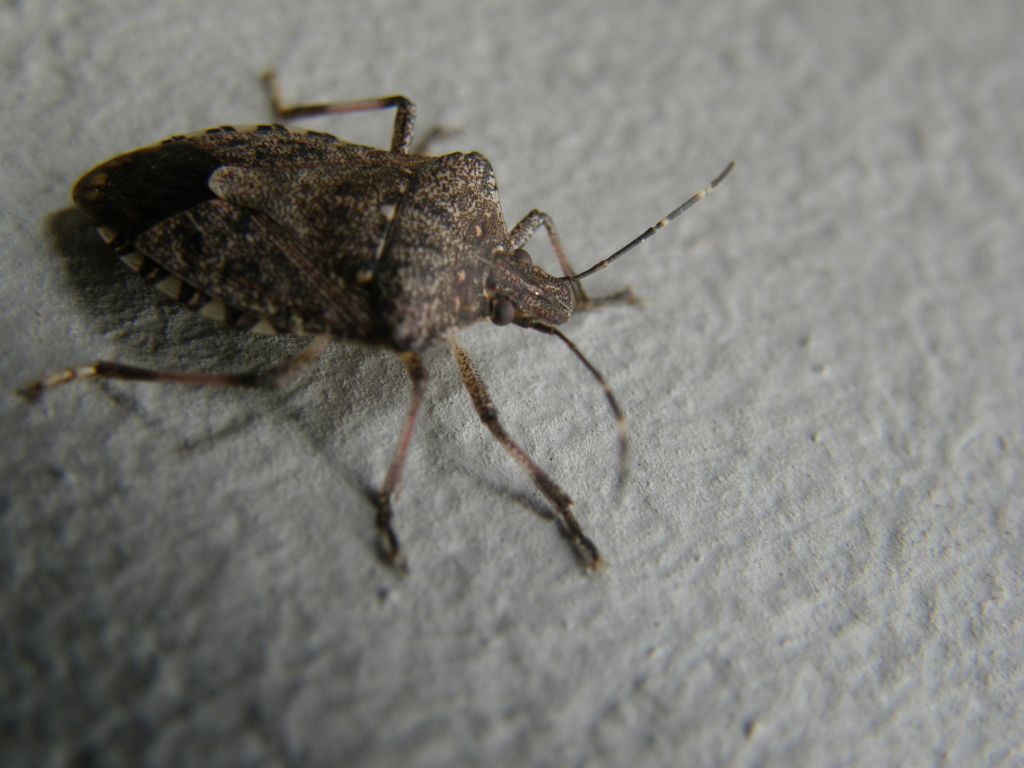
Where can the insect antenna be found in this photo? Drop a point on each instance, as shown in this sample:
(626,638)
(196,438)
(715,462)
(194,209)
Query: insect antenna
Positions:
(662,223)
(620,418)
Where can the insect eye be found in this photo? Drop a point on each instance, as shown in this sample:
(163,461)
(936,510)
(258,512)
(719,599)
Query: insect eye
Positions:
(522,256)
(502,312)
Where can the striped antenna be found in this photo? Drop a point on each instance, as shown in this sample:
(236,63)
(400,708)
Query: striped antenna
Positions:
(664,222)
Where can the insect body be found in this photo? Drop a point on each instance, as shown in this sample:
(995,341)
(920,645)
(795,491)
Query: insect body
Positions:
(283,231)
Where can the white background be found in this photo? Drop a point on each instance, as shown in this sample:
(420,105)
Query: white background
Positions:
(818,560)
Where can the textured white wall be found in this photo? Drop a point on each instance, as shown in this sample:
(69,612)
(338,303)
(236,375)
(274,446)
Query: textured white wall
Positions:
(819,558)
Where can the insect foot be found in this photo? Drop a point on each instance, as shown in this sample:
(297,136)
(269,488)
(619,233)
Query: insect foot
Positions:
(288,231)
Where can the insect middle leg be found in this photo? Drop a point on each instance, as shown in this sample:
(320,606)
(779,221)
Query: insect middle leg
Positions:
(405,115)
(526,228)
(582,545)
(387,541)
(278,376)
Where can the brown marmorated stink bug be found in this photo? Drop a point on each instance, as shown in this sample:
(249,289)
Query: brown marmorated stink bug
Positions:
(290,231)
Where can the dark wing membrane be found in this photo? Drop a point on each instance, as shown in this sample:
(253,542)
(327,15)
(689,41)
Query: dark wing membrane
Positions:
(132,192)
(250,263)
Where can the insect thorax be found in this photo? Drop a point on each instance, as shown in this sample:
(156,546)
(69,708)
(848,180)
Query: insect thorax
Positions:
(439,249)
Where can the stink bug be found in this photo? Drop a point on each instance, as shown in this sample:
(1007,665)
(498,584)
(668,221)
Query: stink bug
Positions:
(288,231)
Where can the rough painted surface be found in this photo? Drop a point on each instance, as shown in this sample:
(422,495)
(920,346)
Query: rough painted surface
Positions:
(819,557)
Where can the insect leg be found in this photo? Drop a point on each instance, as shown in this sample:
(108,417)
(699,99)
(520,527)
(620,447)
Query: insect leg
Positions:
(620,417)
(526,228)
(583,546)
(390,551)
(278,376)
(405,116)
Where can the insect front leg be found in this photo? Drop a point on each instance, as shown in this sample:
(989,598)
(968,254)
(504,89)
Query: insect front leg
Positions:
(405,115)
(390,551)
(582,545)
(278,376)
(526,228)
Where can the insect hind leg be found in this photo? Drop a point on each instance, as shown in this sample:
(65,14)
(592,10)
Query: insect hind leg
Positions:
(387,540)
(278,376)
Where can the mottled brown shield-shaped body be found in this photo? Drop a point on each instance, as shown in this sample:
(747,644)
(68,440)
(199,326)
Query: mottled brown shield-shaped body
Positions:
(308,233)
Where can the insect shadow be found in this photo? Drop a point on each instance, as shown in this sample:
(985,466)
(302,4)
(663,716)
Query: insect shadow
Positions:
(98,282)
